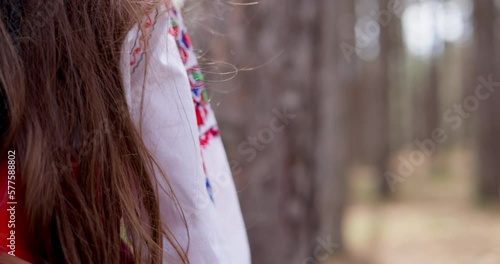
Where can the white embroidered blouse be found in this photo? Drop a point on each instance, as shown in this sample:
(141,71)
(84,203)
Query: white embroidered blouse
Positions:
(180,130)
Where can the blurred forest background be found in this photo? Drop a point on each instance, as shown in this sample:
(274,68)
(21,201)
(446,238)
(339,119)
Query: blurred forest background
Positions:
(359,131)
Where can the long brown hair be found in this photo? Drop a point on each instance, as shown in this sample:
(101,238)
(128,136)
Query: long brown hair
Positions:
(88,177)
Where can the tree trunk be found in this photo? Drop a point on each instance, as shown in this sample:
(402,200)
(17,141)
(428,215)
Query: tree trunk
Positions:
(292,184)
(430,101)
(489,111)
(336,76)
(379,99)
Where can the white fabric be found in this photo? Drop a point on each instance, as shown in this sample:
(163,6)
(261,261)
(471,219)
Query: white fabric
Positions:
(217,233)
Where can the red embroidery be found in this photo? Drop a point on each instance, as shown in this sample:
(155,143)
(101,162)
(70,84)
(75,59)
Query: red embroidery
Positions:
(204,114)
(137,52)
(205,138)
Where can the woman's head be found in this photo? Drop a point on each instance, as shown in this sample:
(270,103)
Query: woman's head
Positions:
(88,177)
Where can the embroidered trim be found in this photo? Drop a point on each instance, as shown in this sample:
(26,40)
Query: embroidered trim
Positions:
(137,53)
(205,118)
(204,113)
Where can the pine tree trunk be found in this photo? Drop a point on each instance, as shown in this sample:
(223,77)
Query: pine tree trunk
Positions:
(293,187)
(379,98)
(489,112)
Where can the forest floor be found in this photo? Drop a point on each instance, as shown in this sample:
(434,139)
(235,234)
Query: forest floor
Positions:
(434,218)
